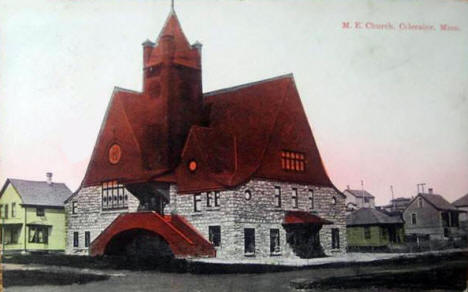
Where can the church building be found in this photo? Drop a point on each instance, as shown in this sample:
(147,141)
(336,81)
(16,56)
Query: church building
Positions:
(231,173)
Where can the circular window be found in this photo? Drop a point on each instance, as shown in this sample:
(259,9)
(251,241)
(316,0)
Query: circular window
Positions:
(192,165)
(115,153)
(334,201)
(248,195)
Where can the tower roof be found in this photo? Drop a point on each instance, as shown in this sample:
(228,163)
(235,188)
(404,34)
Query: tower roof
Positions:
(173,28)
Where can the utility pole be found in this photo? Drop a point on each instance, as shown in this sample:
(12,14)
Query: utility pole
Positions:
(393,199)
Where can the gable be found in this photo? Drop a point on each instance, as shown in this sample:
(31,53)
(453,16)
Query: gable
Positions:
(292,134)
(9,194)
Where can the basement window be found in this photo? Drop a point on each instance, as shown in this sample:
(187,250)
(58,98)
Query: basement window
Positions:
(292,161)
(114,196)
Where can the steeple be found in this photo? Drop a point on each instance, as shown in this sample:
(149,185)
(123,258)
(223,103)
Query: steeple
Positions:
(172,82)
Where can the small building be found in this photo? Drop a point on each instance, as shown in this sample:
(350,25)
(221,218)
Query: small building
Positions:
(33,215)
(430,215)
(462,204)
(370,229)
(397,205)
(357,199)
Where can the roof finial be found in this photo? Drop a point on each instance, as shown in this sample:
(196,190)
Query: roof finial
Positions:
(172,5)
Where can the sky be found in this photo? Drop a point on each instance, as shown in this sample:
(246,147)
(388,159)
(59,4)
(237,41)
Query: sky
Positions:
(386,106)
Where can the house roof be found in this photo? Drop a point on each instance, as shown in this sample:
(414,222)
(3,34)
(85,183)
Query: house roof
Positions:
(437,201)
(360,193)
(370,216)
(462,202)
(40,193)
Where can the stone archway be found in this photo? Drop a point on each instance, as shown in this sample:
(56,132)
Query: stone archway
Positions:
(139,244)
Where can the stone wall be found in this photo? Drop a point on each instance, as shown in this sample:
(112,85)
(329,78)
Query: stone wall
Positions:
(90,217)
(260,212)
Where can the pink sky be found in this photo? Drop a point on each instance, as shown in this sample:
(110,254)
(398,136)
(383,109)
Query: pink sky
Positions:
(386,107)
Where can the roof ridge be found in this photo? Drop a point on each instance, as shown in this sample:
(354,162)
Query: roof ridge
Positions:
(34,181)
(244,85)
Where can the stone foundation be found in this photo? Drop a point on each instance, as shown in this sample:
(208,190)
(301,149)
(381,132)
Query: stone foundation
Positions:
(233,214)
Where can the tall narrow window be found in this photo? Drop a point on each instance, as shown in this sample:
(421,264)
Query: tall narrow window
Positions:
(87,238)
(13,210)
(6,211)
(1,212)
(292,161)
(311,198)
(278,196)
(216,199)
(249,241)
(196,203)
(74,207)
(413,219)
(113,195)
(420,202)
(274,241)
(335,238)
(367,232)
(215,235)
(209,198)
(295,199)
(75,239)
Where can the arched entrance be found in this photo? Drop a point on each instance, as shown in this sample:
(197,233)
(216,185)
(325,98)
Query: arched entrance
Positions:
(139,244)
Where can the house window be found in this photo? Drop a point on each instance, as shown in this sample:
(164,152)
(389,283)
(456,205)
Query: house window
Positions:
(209,198)
(454,219)
(413,219)
(13,210)
(367,234)
(248,195)
(1,211)
(366,200)
(292,161)
(196,203)
(249,241)
(420,202)
(6,211)
(311,198)
(74,207)
(114,196)
(215,235)
(278,196)
(335,238)
(216,199)
(40,212)
(75,239)
(87,238)
(294,198)
(11,235)
(38,234)
(274,241)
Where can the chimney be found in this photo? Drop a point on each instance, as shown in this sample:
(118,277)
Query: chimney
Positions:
(49,177)
(431,191)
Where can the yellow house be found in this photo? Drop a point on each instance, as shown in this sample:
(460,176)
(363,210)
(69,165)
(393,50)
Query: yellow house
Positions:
(32,215)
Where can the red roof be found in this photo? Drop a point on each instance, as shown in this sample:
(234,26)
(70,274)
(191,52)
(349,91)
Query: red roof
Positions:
(244,130)
(301,217)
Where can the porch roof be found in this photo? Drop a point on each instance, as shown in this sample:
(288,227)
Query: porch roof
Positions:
(302,217)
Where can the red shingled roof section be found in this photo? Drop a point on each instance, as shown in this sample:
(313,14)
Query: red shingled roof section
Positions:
(262,118)
(184,53)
